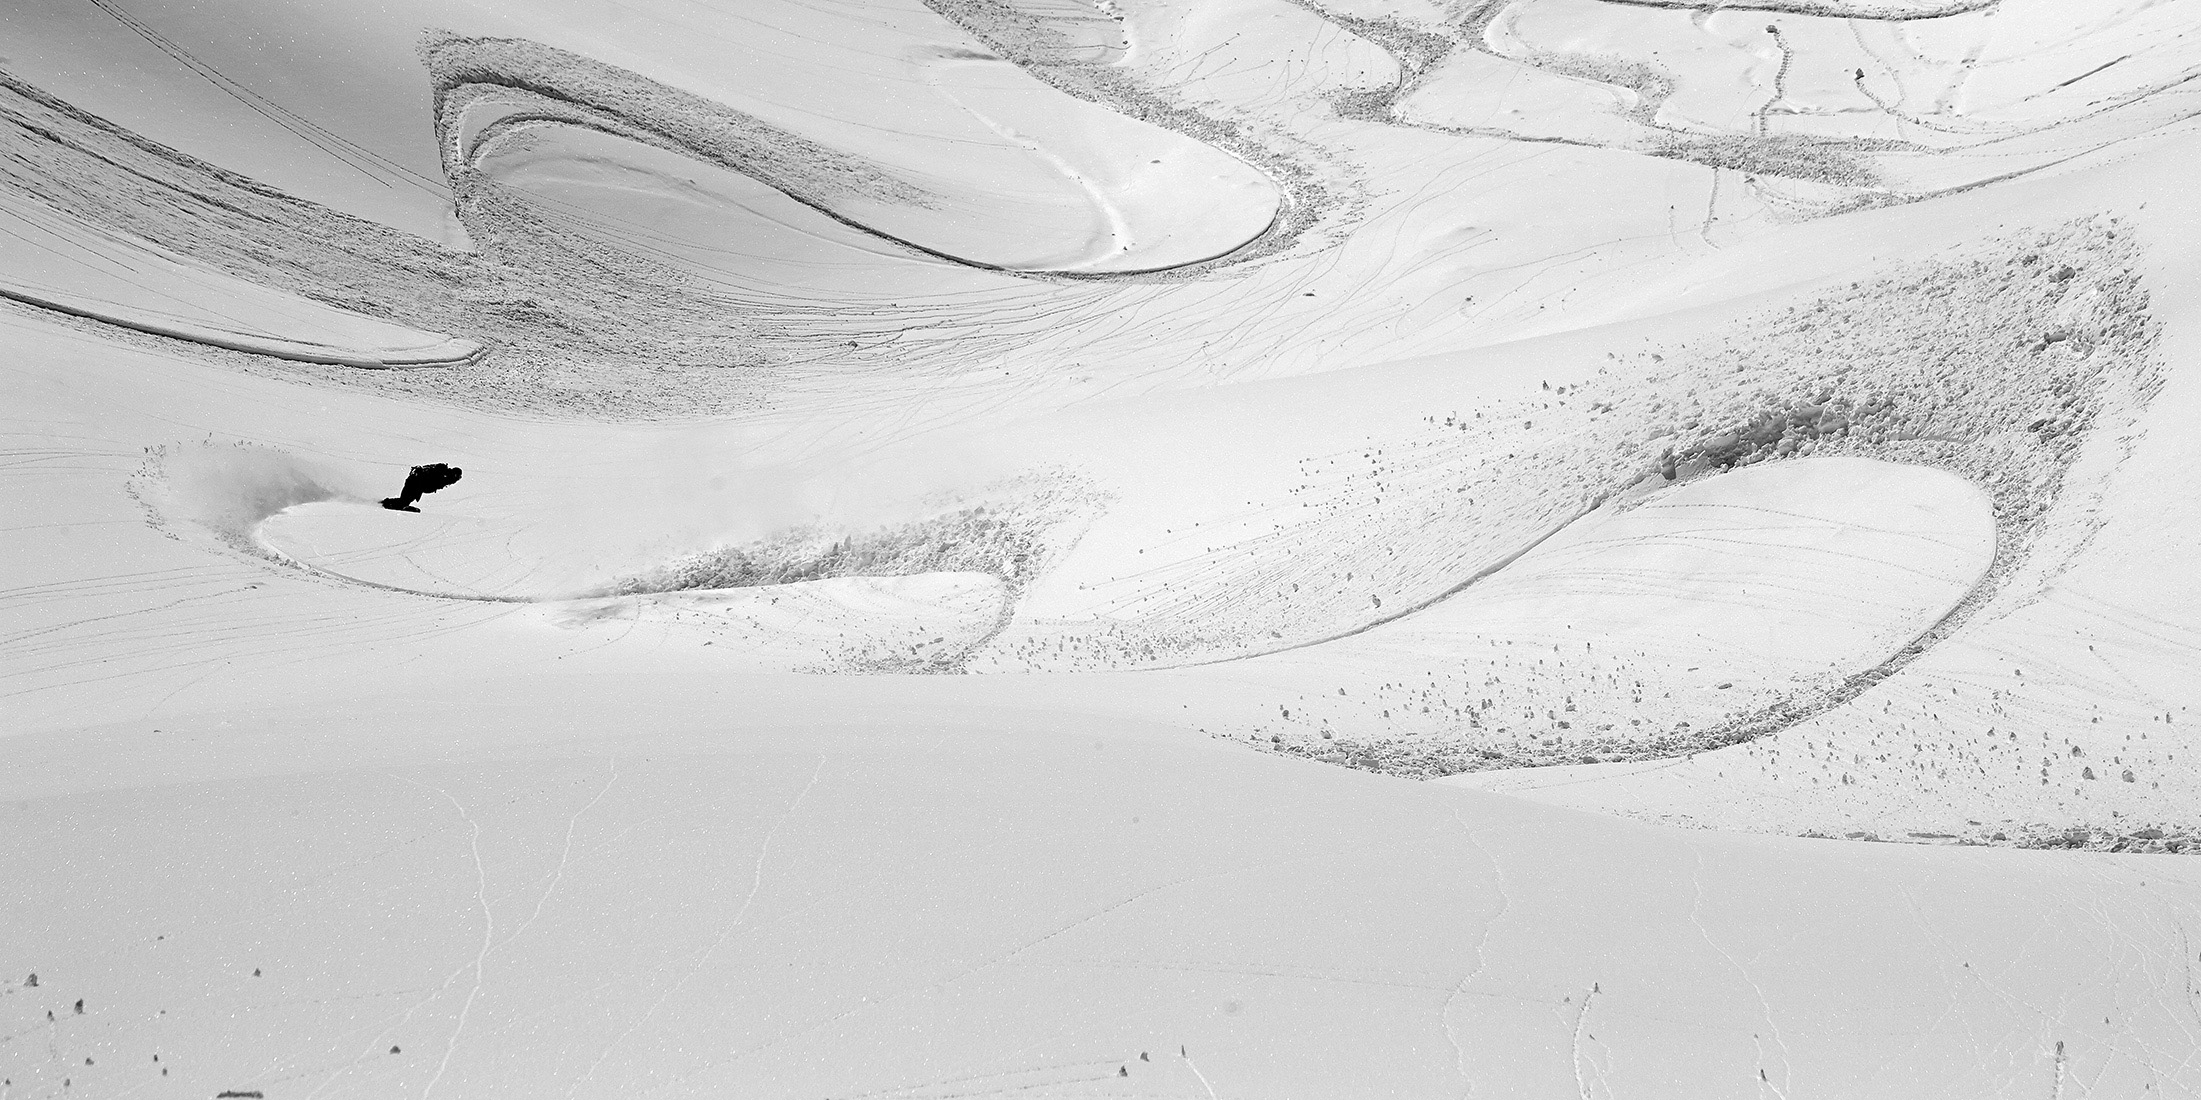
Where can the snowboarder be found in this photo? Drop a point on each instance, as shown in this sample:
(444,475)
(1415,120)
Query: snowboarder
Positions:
(420,482)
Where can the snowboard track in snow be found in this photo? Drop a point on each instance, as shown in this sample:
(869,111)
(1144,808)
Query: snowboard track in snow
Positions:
(249,344)
(2085,379)
(543,85)
(541,302)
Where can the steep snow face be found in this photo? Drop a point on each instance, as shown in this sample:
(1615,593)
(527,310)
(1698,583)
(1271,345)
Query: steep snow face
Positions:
(978,515)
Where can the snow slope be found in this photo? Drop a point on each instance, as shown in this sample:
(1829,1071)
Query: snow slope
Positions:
(889,642)
(65,264)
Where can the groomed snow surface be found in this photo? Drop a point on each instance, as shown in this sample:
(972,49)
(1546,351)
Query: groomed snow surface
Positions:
(1159,548)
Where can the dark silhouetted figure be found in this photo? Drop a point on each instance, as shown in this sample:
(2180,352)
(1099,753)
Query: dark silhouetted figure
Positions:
(421,482)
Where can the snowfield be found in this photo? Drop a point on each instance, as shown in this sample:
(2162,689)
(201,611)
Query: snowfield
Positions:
(1046,548)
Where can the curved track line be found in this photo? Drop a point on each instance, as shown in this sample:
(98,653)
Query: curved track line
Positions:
(474,79)
(1243,250)
(274,347)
